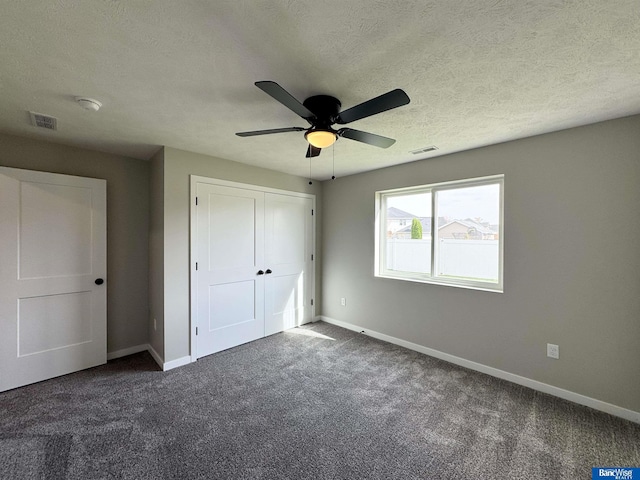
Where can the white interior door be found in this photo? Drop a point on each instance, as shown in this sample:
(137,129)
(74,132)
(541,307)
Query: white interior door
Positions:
(288,250)
(230,253)
(52,251)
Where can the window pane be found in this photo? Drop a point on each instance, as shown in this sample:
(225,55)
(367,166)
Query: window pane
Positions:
(408,233)
(467,245)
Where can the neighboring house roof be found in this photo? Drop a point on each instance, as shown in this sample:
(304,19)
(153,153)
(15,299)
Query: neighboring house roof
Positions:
(480,227)
(393,212)
(469,223)
(442,221)
(426,225)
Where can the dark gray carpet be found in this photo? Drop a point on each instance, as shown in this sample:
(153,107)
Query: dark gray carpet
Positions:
(319,402)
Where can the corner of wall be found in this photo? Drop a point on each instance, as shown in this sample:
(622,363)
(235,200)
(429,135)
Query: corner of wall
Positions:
(156,255)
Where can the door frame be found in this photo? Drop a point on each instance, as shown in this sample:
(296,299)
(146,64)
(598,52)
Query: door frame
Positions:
(193,181)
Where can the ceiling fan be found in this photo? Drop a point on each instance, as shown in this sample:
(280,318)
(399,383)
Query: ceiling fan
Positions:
(323,111)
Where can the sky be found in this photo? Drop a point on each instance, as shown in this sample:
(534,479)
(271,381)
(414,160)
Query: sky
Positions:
(469,202)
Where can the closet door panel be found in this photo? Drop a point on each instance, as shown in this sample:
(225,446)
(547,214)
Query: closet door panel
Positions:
(288,249)
(230,252)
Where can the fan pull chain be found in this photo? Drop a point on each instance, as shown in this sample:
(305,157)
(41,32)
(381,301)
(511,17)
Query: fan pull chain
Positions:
(310,182)
(333,173)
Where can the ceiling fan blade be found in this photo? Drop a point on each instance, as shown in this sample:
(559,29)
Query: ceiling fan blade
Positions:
(312,151)
(393,99)
(285,98)
(365,137)
(273,130)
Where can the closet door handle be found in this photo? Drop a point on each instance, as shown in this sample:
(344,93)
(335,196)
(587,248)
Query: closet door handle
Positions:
(260,272)
(268,271)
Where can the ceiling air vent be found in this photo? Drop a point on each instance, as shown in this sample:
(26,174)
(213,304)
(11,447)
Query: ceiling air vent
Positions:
(43,121)
(430,148)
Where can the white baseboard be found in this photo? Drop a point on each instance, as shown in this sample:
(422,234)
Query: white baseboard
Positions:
(156,356)
(127,351)
(494,372)
(178,362)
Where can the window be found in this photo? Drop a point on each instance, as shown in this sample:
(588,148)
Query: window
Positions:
(446,233)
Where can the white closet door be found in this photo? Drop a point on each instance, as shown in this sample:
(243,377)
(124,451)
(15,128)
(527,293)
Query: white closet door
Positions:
(288,249)
(52,251)
(230,252)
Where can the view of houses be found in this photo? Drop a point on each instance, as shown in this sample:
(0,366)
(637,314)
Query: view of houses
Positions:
(399,225)
(465,248)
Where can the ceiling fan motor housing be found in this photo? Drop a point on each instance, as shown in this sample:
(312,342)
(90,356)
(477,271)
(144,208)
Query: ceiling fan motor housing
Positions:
(325,108)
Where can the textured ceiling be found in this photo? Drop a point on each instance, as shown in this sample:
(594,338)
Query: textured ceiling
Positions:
(181,73)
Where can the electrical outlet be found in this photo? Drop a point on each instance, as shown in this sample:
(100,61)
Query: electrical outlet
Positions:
(155,325)
(553,351)
(343,302)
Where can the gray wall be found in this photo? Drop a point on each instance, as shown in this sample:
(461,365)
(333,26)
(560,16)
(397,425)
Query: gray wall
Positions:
(127,225)
(178,165)
(571,264)
(156,254)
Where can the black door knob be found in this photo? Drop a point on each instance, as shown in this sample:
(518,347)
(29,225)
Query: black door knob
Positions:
(268,271)
(99,281)
(260,272)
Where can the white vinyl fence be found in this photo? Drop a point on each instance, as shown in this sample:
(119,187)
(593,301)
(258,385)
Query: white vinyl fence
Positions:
(469,258)
(458,258)
(408,255)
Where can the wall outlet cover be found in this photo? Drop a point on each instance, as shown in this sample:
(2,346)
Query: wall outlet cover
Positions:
(553,351)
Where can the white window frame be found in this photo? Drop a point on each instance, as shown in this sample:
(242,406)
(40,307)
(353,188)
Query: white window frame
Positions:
(380,269)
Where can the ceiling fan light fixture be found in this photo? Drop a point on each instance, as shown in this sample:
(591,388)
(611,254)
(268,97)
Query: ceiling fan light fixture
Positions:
(321,138)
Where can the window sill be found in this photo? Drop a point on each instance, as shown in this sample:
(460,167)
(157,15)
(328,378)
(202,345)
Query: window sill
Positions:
(485,287)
